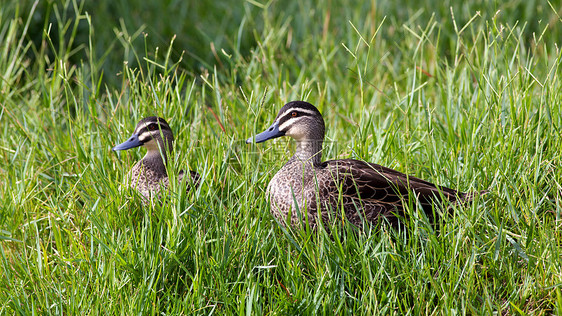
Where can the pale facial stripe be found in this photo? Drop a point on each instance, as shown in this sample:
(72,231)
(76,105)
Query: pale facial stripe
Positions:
(148,134)
(298,110)
(288,123)
(291,119)
(143,126)
(146,124)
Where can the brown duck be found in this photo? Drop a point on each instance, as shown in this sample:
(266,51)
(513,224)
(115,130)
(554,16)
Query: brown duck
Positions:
(149,175)
(364,191)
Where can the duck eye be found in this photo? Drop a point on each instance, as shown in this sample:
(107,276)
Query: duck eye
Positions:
(152,127)
(294,114)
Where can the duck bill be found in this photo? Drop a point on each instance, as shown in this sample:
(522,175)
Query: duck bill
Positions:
(270,133)
(132,142)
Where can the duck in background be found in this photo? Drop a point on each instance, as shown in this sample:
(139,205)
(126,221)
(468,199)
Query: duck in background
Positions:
(148,176)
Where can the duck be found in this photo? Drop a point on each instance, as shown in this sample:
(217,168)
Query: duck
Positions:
(149,176)
(360,191)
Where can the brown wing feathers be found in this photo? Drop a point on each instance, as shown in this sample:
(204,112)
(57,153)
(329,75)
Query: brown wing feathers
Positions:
(374,183)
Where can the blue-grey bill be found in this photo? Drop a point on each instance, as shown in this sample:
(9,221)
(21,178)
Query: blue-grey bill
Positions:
(132,142)
(270,133)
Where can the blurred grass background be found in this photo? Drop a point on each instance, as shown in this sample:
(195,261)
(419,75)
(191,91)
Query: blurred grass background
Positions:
(464,94)
(203,30)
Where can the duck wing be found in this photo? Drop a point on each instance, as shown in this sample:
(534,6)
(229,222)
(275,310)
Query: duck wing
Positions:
(379,190)
(195,178)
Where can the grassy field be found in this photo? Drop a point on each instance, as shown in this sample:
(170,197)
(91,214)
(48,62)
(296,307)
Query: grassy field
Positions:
(465,94)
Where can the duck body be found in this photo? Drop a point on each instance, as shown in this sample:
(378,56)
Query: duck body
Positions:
(149,175)
(357,190)
(364,191)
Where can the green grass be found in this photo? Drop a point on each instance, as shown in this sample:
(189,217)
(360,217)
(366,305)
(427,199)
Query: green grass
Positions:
(471,101)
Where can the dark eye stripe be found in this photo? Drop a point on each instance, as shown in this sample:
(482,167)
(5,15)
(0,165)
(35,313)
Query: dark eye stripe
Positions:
(146,133)
(289,115)
(149,128)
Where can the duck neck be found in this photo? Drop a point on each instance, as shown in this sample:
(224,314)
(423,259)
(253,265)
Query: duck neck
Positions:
(309,151)
(155,161)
